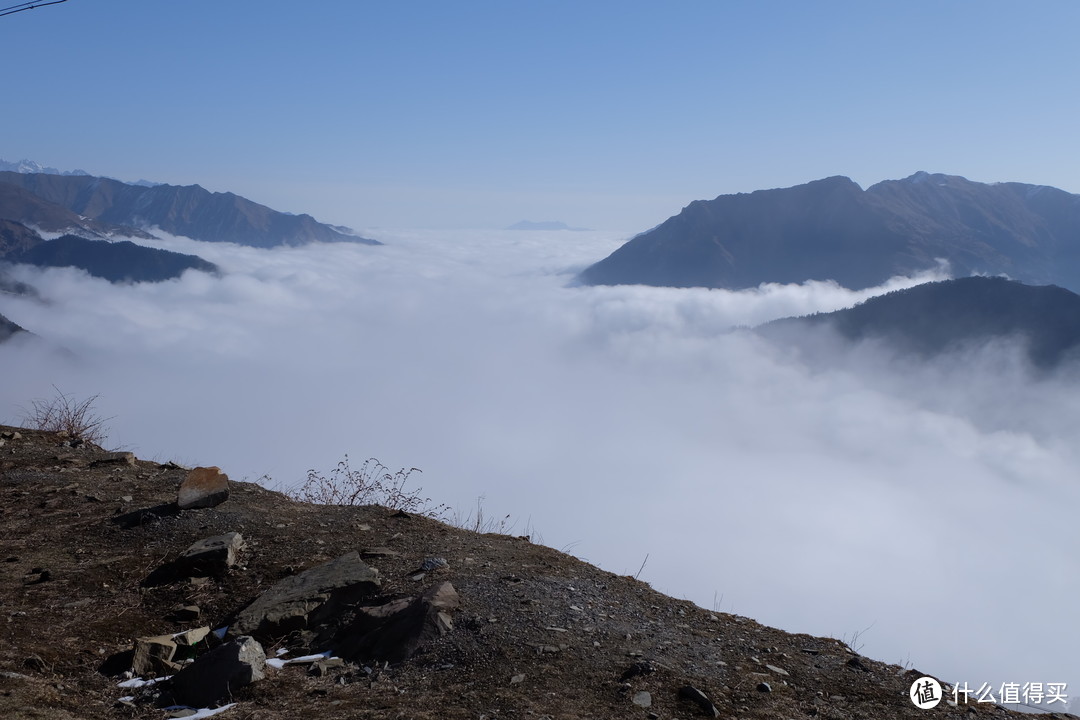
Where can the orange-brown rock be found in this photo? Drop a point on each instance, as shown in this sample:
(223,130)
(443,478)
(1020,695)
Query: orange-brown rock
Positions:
(203,487)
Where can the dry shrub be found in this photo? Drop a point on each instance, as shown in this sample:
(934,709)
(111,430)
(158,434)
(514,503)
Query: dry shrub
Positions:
(478,521)
(371,484)
(64,413)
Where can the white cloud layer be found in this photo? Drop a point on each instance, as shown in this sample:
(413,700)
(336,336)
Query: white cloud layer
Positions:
(934,504)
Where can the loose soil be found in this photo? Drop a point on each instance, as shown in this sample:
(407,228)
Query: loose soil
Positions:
(540,633)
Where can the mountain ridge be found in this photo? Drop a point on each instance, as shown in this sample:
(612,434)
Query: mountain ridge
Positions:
(935,318)
(17,204)
(190,210)
(831,229)
(116,261)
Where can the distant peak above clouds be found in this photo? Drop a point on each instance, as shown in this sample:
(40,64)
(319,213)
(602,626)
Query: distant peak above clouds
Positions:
(31,167)
(544,225)
(831,229)
(953,315)
(86,204)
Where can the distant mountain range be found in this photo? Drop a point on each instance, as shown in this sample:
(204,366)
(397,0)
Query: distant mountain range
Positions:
(934,318)
(23,206)
(89,212)
(100,207)
(29,166)
(831,229)
(543,225)
(122,261)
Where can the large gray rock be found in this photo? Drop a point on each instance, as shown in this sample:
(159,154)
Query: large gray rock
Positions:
(212,555)
(214,677)
(204,487)
(209,556)
(394,631)
(305,601)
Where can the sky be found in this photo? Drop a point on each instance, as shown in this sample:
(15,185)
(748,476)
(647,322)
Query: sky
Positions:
(608,115)
(929,508)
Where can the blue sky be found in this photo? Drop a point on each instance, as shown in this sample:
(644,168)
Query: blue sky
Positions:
(605,114)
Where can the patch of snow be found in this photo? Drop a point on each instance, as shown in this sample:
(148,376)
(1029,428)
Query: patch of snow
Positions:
(32,167)
(279,663)
(139,682)
(200,712)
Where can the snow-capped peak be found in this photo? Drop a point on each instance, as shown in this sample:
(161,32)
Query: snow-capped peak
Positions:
(29,167)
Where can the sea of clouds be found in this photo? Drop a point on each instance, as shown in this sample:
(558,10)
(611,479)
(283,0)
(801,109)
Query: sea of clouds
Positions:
(928,508)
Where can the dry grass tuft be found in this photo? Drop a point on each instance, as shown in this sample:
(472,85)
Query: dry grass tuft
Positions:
(64,413)
(371,484)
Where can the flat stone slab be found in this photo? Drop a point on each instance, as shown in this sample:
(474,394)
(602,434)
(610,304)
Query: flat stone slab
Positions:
(204,487)
(309,599)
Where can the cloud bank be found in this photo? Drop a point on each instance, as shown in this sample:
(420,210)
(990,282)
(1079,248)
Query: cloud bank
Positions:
(934,504)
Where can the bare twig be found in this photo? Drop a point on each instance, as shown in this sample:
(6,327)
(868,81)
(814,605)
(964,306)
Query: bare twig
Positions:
(638,575)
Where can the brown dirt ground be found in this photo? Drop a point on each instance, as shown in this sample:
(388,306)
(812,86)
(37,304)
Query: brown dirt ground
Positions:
(569,628)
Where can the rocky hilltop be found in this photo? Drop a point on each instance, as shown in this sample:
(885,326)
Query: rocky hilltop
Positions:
(832,229)
(113,564)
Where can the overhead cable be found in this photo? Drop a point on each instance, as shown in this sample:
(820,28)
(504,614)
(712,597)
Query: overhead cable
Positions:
(27,6)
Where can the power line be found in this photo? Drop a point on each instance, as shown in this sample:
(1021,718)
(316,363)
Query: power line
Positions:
(27,6)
